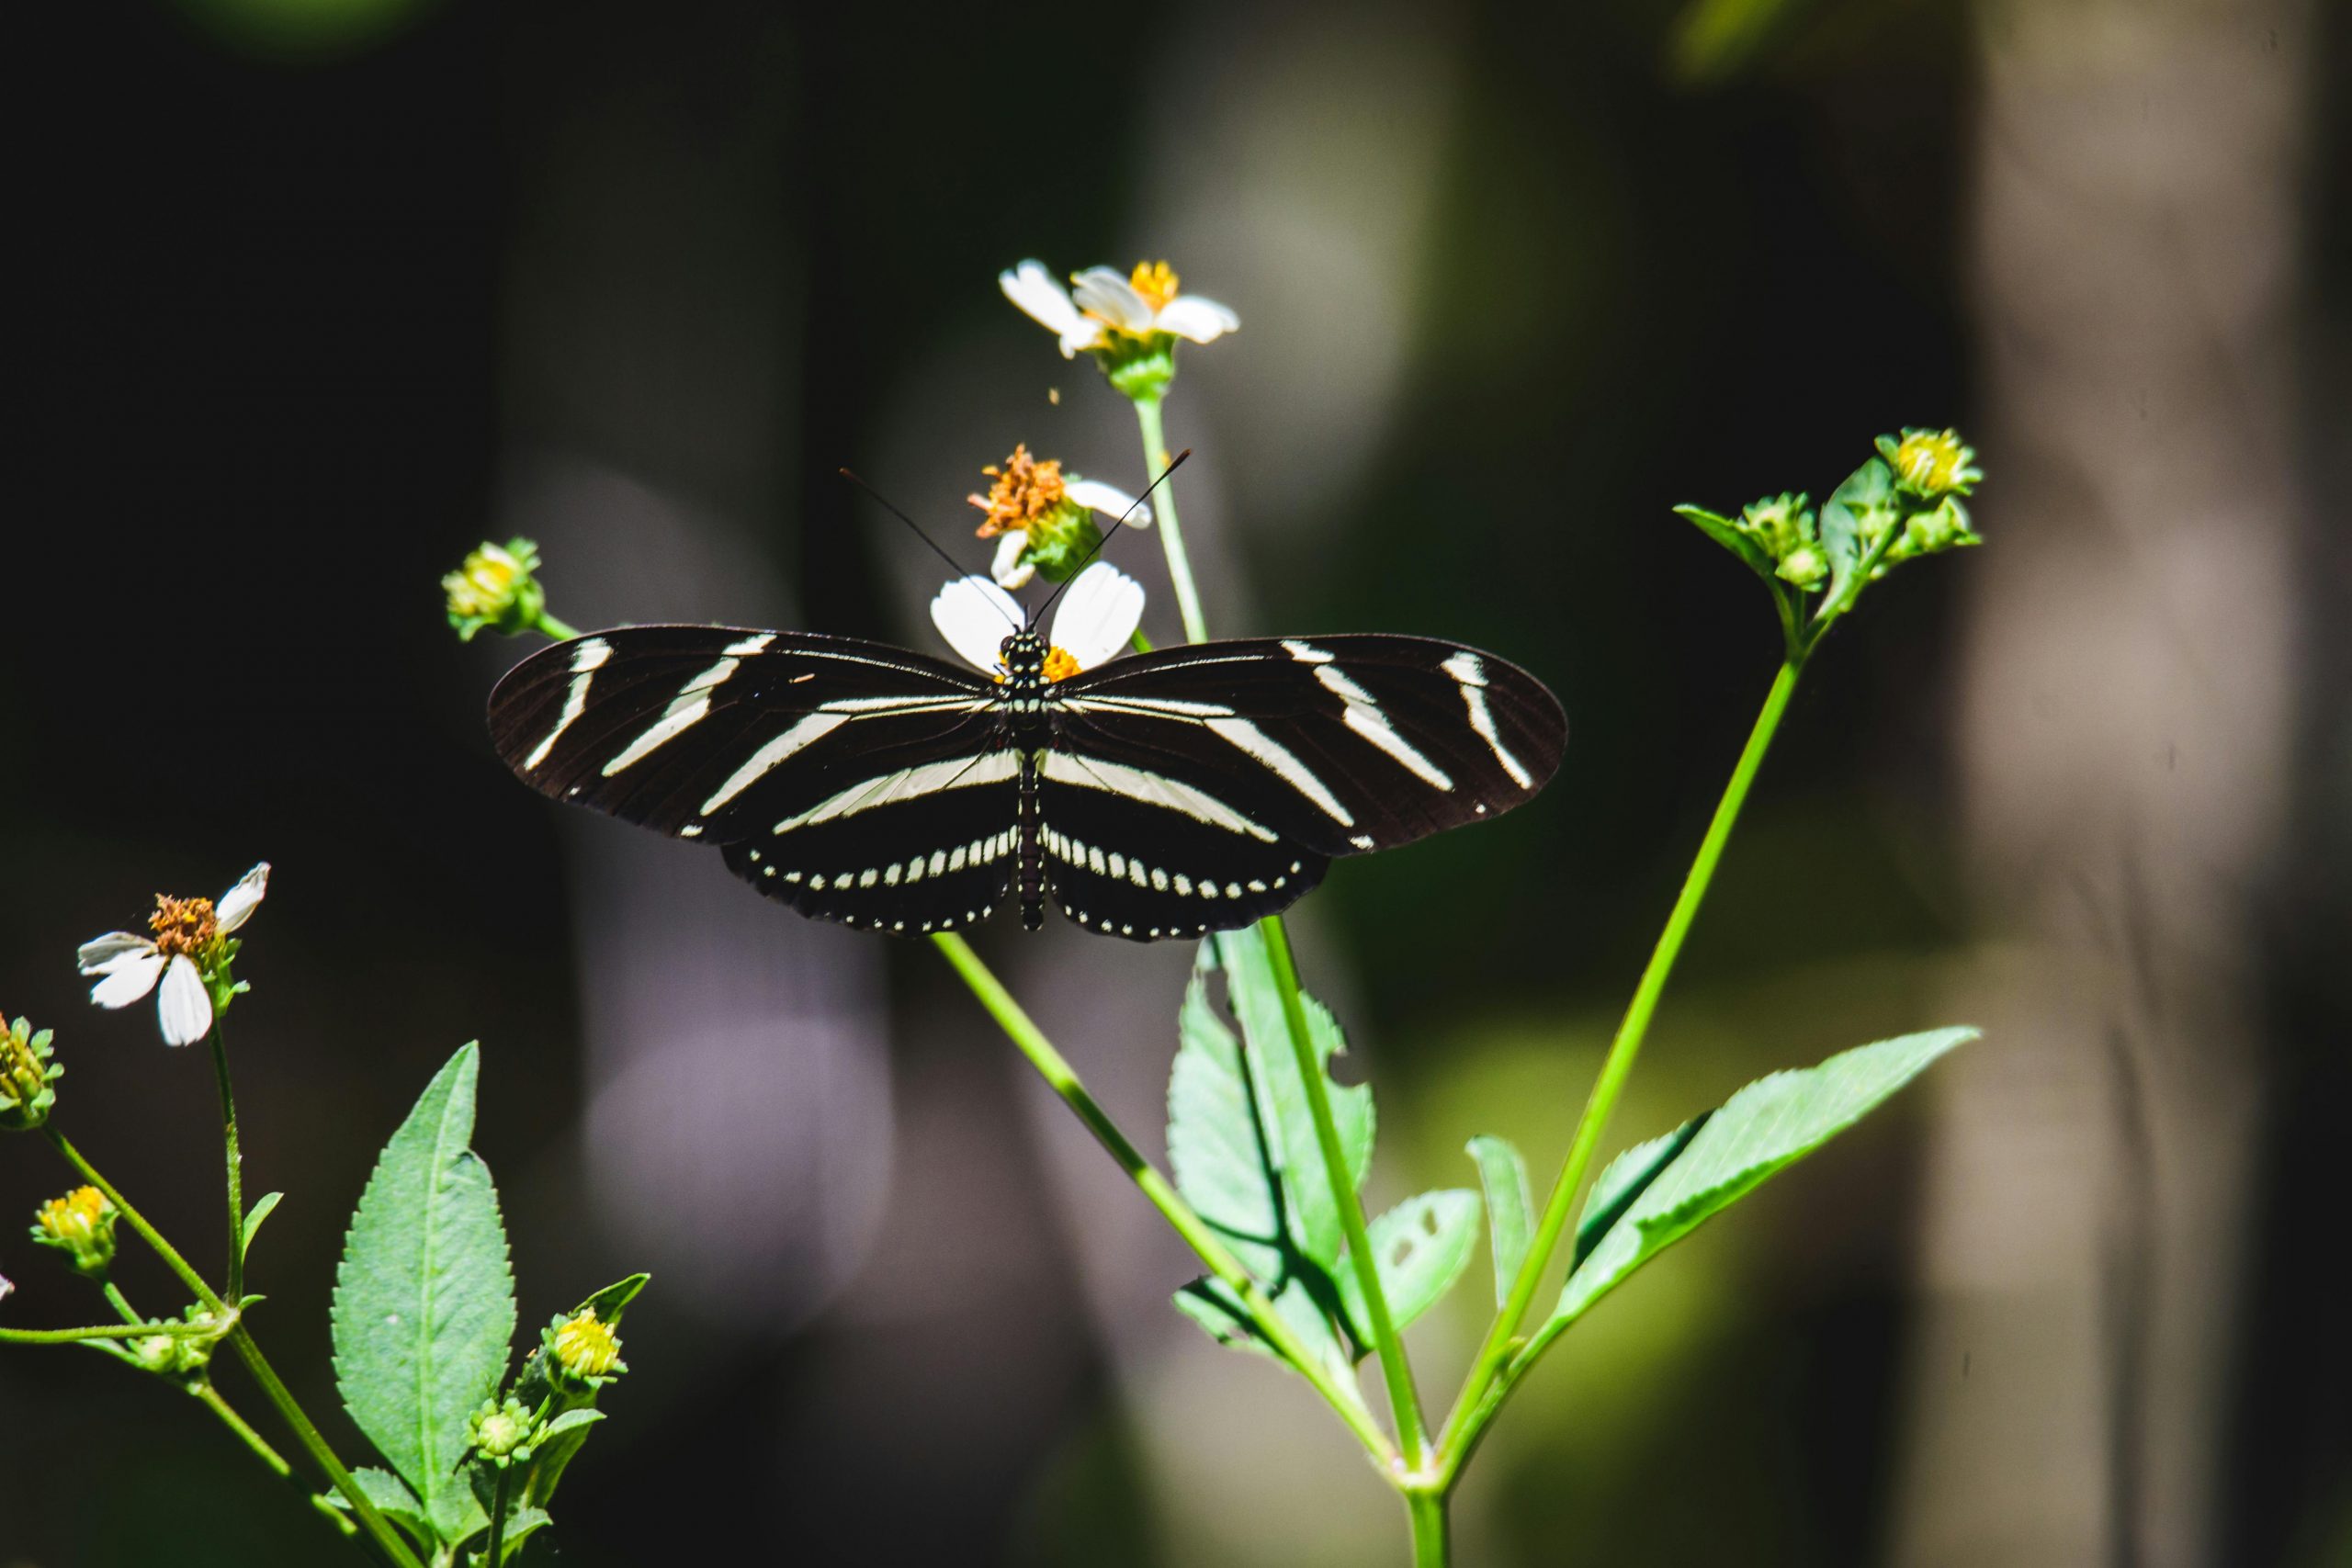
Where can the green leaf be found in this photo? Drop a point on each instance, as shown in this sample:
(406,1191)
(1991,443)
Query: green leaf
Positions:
(570,1421)
(1213,1305)
(1729,534)
(523,1521)
(1765,1128)
(1217,1147)
(392,1499)
(522,1518)
(1419,1248)
(1281,1094)
(254,1218)
(424,1299)
(1853,518)
(1626,1178)
(1510,1212)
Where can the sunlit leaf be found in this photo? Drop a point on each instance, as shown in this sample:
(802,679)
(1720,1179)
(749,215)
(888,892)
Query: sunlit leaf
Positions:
(1419,1247)
(1510,1212)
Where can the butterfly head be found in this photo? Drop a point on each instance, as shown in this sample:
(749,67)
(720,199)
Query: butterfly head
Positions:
(1024,655)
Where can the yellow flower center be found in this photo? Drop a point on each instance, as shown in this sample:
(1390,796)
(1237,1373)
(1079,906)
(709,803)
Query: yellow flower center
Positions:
(587,1347)
(1024,492)
(1060,665)
(74,1218)
(184,927)
(1156,281)
(1930,460)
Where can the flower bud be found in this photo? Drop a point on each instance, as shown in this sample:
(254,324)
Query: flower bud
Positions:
(81,1225)
(494,588)
(1942,527)
(1931,464)
(582,1351)
(26,1074)
(501,1432)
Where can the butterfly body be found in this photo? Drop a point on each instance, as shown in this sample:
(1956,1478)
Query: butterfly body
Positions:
(1167,794)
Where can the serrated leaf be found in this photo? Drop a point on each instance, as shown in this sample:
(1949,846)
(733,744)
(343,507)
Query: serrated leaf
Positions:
(1217,1147)
(392,1499)
(1865,501)
(1213,1305)
(1419,1248)
(1510,1211)
(1626,1178)
(1727,534)
(1257,1005)
(1763,1129)
(424,1300)
(254,1218)
(522,1518)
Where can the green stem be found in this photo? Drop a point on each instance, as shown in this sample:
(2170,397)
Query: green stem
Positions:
(1472,1409)
(106,1331)
(371,1519)
(497,1522)
(120,1302)
(1397,1372)
(236,1291)
(210,1397)
(1181,1216)
(1428,1511)
(548,626)
(1171,532)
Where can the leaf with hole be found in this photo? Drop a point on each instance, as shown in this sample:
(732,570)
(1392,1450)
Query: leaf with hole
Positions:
(1419,1247)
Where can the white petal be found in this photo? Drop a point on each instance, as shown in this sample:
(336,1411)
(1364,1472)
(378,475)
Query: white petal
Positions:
(1098,612)
(1109,500)
(129,979)
(103,954)
(1033,288)
(238,904)
(1111,297)
(1086,335)
(974,615)
(184,1006)
(1008,569)
(1189,315)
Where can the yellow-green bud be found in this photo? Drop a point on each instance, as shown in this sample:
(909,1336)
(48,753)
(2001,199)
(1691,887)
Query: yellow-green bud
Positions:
(584,1351)
(494,588)
(26,1074)
(1784,526)
(1931,464)
(81,1225)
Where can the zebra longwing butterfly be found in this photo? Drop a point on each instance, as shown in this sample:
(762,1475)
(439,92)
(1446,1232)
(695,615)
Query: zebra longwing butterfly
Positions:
(1166,794)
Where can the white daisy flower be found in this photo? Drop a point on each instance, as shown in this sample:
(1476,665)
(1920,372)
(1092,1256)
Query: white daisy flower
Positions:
(190,936)
(1095,618)
(1100,304)
(1037,513)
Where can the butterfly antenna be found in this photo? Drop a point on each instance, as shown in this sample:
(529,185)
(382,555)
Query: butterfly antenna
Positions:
(1175,463)
(885,502)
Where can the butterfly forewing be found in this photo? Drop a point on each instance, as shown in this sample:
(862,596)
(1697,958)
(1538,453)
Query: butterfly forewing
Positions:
(1186,791)
(1342,744)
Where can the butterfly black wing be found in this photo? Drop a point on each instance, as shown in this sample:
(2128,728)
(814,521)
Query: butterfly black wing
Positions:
(1239,769)
(850,780)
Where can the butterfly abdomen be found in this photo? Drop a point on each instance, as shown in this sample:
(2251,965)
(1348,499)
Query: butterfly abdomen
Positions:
(1033,849)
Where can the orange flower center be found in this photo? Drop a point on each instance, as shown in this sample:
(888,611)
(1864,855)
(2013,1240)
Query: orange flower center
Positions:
(1156,281)
(182,926)
(1024,491)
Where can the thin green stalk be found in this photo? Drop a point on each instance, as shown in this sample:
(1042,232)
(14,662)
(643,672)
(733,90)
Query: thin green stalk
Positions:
(210,1397)
(1433,1546)
(1171,532)
(1181,1216)
(371,1519)
(1472,1408)
(497,1551)
(549,627)
(236,1273)
(1396,1370)
(106,1331)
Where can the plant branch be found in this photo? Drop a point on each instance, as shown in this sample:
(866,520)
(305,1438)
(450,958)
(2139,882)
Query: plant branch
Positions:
(1180,1215)
(236,1275)
(371,1519)
(1171,532)
(1396,1370)
(1474,1408)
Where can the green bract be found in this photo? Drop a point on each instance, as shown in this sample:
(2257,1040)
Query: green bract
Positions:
(26,1074)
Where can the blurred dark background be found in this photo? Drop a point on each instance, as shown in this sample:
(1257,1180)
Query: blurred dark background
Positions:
(321,292)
